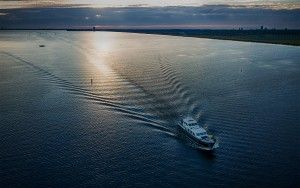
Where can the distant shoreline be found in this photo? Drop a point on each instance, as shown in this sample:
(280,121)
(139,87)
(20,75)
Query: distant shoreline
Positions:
(284,37)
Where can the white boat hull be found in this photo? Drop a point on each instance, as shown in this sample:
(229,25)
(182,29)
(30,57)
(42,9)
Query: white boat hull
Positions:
(203,145)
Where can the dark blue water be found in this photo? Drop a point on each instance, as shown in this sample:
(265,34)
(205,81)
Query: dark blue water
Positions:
(57,129)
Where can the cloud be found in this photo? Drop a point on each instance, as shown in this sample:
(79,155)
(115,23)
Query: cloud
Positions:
(15,4)
(274,4)
(206,16)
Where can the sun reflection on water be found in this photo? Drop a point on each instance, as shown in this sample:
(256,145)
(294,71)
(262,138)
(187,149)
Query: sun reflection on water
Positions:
(100,46)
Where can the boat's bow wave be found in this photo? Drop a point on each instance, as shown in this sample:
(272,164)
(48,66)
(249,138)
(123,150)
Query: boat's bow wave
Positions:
(156,97)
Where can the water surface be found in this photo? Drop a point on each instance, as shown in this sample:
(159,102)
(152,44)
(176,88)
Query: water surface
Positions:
(59,129)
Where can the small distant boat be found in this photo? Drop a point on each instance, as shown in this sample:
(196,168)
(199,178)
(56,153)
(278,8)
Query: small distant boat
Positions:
(197,133)
(41,45)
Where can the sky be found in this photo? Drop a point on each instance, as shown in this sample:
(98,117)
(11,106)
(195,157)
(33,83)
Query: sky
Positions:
(203,14)
(124,3)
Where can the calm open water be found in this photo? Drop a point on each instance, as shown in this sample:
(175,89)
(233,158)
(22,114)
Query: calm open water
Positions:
(57,129)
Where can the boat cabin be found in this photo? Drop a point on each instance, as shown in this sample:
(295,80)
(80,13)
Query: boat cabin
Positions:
(193,128)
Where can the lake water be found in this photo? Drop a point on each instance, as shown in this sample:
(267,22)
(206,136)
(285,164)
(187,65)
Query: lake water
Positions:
(59,128)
